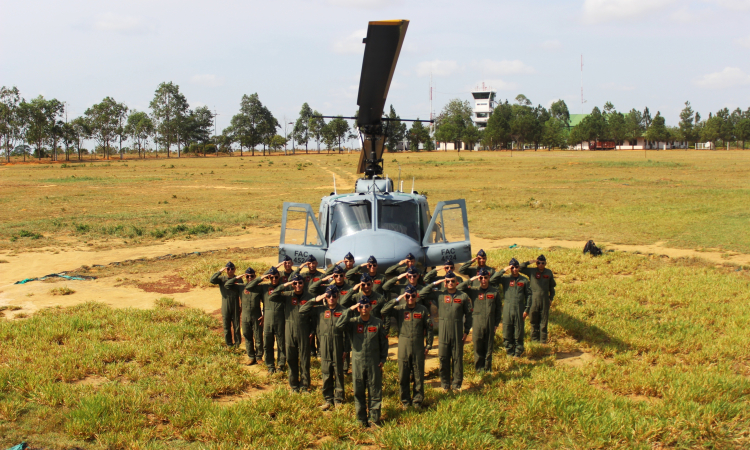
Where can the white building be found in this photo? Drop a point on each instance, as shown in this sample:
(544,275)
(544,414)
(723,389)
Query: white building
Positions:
(484,104)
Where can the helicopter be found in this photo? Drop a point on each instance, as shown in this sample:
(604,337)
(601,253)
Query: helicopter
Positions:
(376,219)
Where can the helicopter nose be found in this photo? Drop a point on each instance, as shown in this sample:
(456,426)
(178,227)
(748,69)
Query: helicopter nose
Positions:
(388,247)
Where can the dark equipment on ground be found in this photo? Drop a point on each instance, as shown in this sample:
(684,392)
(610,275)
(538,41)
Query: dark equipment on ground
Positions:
(592,249)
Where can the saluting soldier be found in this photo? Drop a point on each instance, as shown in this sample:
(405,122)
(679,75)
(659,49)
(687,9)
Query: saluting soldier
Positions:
(487,303)
(297,331)
(454,323)
(369,353)
(339,280)
(230,305)
(516,307)
(371,268)
(365,288)
(542,293)
(409,262)
(288,265)
(432,275)
(481,260)
(324,312)
(311,276)
(273,318)
(252,314)
(395,287)
(348,263)
(415,337)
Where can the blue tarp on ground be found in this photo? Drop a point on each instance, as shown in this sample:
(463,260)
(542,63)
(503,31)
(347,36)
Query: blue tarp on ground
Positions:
(56,275)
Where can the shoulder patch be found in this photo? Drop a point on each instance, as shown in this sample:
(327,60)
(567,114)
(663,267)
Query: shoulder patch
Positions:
(407,315)
(270,291)
(378,281)
(447,299)
(302,302)
(328,314)
(480,297)
(360,328)
(417,315)
(294,302)
(372,329)
(336,314)
(512,283)
(521,284)
(539,275)
(490,296)
(344,292)
(316,279)
(457,300)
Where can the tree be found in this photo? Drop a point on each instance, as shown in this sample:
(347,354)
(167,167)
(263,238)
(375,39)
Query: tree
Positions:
(103,121)
(301,126)
(80,131)
(497,132)
(418,134)
(452,121)
(742,128)
(657,132)
(687,120)
(594,126)
(727,126)
(646,117)
(712,129)
(276,142)
(202,120)
(523,123)
(633,126)
(316,127)
(472,135)
(395,131)
(139,127)
(267,127)
(10,102)
(521,100)
(554,133)
(168,109)
(576,136)
(329,136)
(559,110)
(339,128)
(39,117)
(541,116)
(120,113)
(617,127)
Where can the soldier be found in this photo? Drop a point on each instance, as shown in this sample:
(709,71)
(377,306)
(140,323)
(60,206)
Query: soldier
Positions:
(410,262)
(311,276)
(230,305)
(325,311)
(370,351)
(364,288)
(481,260)
(487,303)
(432,275)
(288,268)
(273,318)
(516,308)
(414,325)
(454,311)
(348,262)
(372,269)
(542,293)
(395,287)
(339,280)
(252,314)
(297,331)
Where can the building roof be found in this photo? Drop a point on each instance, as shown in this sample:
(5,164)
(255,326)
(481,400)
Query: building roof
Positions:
(575,119)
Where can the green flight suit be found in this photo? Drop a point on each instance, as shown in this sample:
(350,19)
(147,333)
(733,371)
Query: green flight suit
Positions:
(517,301)
(297,336)
(488,312)
(455,317)
(317,288)
(251,313)
(331,347)
(432,276)
(369,350)
(273,322)
(471,272)
(329,271)
(542,293)
(376,300)
(312,277)
(355,274)
(414,325)
(397,269)
(230,309)
(394,288)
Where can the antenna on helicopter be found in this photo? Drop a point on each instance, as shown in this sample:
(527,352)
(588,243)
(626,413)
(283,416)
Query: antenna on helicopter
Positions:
(334,185)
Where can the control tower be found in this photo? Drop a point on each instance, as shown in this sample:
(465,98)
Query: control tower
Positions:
(484,104)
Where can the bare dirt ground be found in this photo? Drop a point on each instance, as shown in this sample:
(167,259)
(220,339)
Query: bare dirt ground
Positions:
(142,290)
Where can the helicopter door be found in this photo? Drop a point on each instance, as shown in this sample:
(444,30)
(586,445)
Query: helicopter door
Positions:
(447,235)
(301,235)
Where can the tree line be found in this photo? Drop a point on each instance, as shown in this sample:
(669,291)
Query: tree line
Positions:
(41,127)
(521,124)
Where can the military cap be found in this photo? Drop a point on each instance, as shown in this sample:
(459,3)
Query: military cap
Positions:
(311,258)
(349,256)
(286,258)
(297,277)
(449,263)
(365,278)
(541,258)
(250,271)
(513,262)
(410,257)
(372,260)
(338,270)
(272,271)
(449,275)
(364,300)
(483,272)
(332,289)
(481,253)
(412,271)
(229,265)
(410,290)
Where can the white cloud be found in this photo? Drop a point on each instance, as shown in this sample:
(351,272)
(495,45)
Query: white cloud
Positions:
(352,44)
(207,80)
(365,4)
(736,5)
(121,24)
(743,42)
(552,44)
(438,68)
(616,87)
(505,67)
(596,11)
(727,78)
(496,84)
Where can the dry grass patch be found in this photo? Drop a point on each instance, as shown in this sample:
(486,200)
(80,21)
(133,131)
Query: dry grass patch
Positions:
(61,290)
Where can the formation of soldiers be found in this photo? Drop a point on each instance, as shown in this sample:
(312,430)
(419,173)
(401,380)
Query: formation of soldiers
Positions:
(343,316)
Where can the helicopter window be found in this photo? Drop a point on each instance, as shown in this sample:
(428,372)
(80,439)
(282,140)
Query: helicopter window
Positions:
(349,218)
(401,217)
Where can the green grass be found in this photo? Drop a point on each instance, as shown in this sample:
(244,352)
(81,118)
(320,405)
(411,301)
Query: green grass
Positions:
(670,367)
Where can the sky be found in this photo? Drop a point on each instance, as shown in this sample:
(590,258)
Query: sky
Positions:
(636,53)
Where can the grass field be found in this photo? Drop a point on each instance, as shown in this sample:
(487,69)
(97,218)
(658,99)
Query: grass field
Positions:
(645,351)
(691,199)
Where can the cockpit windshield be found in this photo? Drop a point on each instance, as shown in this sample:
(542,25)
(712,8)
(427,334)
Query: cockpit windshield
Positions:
(350,217)
(399,216)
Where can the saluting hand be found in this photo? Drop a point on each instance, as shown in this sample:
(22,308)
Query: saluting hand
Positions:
(339,262)
(364,265)
(328,277)
(507,268)
(287,284)
(403,261)
(279,264)
(223,269)
(354,307)
(320,297)
(400,297)
(474,278)
(402,275)
(356,288)
(474,260)
(438,282)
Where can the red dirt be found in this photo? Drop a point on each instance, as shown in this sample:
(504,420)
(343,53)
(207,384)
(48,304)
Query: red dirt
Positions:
(167,285)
